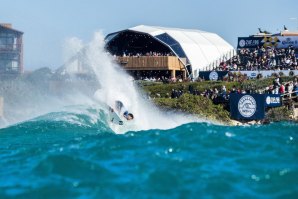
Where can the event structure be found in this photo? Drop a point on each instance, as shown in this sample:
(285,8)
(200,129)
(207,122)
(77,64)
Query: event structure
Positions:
(148,50)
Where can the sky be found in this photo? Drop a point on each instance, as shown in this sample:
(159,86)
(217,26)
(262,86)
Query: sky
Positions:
(47,24)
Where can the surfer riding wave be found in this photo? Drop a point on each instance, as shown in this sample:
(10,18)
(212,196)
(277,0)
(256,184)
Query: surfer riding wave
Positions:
(121,110)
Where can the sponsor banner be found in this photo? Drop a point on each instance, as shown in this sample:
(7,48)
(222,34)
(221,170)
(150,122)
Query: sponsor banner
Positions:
(219,75)
(247,106)
(285,42)
(268,73)
(213,75)
(272,100)
(269,41)
(249,42)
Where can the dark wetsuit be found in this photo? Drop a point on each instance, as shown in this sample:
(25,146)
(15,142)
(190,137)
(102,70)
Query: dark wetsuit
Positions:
(121,109)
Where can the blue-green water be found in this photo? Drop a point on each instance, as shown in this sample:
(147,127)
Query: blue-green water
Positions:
(47,158)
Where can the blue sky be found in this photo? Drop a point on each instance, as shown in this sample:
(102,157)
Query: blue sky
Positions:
(48,23)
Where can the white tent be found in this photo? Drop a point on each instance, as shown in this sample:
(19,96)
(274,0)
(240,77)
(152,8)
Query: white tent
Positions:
(199,47)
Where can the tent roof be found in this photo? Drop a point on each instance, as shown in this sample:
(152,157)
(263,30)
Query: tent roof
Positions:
(156,30)
(200,47)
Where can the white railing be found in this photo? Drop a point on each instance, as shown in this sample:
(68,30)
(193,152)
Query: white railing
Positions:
(221,58)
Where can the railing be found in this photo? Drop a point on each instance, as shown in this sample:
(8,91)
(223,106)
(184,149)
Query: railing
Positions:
(289,96)
(151,63)
(213,65)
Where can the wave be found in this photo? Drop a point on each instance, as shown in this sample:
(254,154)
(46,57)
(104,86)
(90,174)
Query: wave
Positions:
(69,120)
(94,119)
(73,152)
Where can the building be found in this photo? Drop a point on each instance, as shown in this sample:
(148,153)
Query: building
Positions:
(149,50)
(11,50)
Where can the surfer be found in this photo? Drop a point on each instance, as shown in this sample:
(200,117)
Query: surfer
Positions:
(123,111)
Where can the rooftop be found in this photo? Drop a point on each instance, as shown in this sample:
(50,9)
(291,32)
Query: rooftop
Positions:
(8,26)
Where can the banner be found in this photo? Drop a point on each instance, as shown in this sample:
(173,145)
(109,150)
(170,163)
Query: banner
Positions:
(247,106)
(268,41)
(213,75)
(249,42)
(269,73)
(219,75)
(273,100)
(285,42)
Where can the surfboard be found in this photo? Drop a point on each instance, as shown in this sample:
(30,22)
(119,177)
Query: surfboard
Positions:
(114,117)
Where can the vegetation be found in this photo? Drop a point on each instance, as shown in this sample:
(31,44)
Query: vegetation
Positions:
(164,90)
(197,105)
(278,114)
(203,106)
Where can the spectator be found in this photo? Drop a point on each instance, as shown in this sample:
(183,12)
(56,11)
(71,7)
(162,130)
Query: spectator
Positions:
(224,90)
(282,89)
(261,58)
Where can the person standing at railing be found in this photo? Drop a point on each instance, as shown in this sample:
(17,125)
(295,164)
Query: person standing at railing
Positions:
(290,89)
(276,85)
(282,89)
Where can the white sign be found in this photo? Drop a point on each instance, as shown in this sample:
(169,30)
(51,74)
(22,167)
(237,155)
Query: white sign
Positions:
(213,76)
(272,100)
(268,73)
(247,106)
(242,43)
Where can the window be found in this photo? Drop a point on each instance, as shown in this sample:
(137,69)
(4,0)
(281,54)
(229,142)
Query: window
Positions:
(172,43)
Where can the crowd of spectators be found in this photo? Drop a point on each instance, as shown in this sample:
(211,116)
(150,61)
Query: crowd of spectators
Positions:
(278,87)
(221,96)
(176,93)
(261,58)
(162,79)
(149,54)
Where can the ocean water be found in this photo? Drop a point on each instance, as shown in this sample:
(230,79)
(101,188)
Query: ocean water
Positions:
(77,155)
(72,151)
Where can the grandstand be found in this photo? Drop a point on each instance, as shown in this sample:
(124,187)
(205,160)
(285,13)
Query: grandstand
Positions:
(262,54)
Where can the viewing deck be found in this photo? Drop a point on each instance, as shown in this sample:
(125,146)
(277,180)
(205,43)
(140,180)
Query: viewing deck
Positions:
(171,63)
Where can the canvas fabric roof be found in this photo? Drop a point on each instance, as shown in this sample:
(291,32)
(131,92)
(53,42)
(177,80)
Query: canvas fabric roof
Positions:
(201,48)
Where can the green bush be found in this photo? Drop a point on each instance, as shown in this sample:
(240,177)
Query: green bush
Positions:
(197,105)
(163,89)
(278,114)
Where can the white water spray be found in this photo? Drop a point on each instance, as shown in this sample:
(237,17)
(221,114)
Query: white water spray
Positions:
(43,92)
(117,85)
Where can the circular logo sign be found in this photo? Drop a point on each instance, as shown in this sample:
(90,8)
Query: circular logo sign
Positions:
(242,43)
(213,76)
(268,100)
(253,74)
(247,106)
